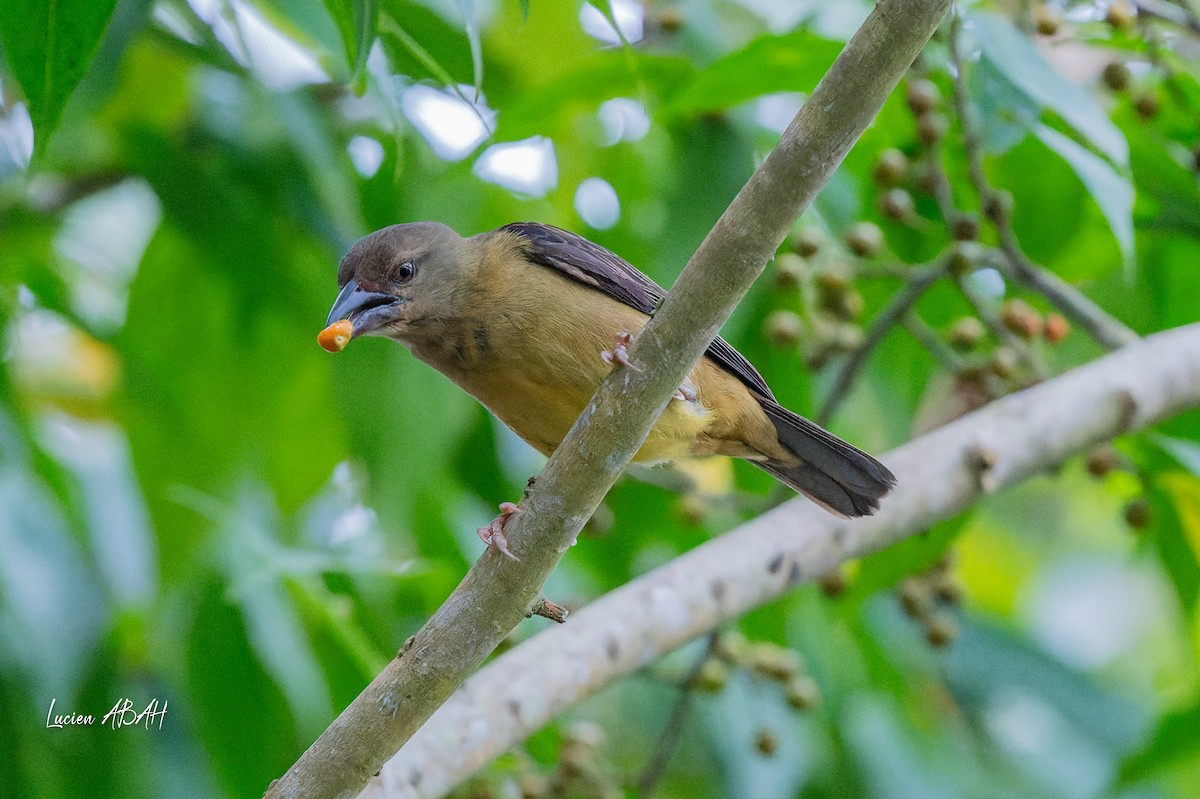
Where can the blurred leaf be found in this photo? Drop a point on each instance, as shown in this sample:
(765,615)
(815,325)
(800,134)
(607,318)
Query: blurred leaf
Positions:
(1186,453)
(1011,52)
(793,62)
(355,20)
(1176,739)
(1112,192)
(421,45)
(49,45)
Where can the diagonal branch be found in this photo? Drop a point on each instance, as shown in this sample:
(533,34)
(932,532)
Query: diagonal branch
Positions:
(944,472)
(497,592)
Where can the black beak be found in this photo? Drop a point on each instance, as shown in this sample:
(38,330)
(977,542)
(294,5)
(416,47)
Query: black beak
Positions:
(367,310)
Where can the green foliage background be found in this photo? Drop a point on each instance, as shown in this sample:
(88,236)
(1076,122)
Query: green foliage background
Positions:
(199,506)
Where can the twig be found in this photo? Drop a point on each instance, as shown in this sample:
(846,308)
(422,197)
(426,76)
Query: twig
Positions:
(1026,433)
(1178,15)
(668,739)
(899,305)
(493,597)
(1105,329)
(928,338)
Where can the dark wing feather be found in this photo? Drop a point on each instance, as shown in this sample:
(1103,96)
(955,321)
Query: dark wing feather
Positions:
(592,265)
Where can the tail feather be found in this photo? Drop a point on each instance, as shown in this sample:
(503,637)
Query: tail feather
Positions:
(836,475)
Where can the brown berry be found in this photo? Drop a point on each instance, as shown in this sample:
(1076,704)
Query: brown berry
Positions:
(1056,328)
(847,337)
(802,692)
(1120,14)
(851,306)
(807,242)
(1046,19)
(1021,319)
(998,206)
(693,509)
(941,630)
(1116,76)
(670,19)
(966,333)
(964,227)
(1102,460)
(766,742)
(915,597)
(789,270)
(713,675)
(963,258)
(865,239)
(833,282)
(1004,363)
(931,128)
(773,661)
(890,167)
(946,589)
(1146,106)
(922,96)
(783,328)
(1137,513)
(732,647)
(833,583)
(897,204)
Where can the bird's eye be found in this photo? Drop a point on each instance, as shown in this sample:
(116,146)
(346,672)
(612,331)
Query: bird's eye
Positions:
(406,271)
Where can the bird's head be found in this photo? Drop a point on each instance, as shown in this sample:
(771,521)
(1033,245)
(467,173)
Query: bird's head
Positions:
(400,275)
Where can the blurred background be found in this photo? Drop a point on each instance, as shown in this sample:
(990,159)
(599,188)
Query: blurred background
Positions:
(201,508)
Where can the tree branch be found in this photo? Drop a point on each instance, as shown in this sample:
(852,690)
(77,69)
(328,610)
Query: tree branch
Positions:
(1102,326)
(497,592)
(942,473)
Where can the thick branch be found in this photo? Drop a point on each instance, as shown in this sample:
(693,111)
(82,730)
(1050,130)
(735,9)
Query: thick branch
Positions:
(1017,436)
(497,592)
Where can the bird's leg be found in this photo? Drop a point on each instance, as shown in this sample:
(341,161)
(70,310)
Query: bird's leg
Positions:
(619,353)
(493,533)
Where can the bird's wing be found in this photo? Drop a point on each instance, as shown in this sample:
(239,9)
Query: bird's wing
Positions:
(594,266)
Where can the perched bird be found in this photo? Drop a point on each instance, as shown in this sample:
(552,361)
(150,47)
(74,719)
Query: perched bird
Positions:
(529,319)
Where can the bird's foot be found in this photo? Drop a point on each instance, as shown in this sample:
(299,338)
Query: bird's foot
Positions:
(619,354)
(493,533)
(685,393)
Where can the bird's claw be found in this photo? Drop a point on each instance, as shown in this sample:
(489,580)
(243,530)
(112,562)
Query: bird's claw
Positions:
(492,533)
(619,354)
(685,393)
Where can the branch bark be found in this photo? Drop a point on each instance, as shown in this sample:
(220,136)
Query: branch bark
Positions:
(942,473)
(497,592)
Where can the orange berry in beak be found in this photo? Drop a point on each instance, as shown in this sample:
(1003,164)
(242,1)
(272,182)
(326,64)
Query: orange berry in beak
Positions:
(335,337)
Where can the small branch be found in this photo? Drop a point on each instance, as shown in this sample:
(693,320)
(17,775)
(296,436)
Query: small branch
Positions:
(928,338)
(899,305)
(1178,15)
(942,473)
(548,610)
(1100,325)
(494,595)
(668,739)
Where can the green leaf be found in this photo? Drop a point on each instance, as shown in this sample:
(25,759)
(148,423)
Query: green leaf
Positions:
(355,20)
(1111,191)
(49,45)
(793,62)
(421,45)
(1007,49)
(1176,739)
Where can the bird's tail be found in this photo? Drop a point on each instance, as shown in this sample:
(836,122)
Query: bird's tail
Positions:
(840,477)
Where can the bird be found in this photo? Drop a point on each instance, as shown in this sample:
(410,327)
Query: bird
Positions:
(529,319)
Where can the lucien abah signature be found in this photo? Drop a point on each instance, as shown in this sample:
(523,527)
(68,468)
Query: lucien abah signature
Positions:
(123,714)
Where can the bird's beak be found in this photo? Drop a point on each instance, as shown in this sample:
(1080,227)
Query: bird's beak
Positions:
(367,310)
